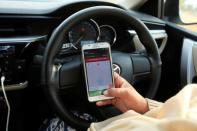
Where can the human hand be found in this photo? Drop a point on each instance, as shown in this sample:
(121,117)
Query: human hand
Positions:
(125,97)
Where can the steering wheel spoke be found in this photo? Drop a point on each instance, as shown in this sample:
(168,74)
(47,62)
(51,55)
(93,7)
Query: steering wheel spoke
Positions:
(122,64)
(133,67)
(141,67)
(70,73)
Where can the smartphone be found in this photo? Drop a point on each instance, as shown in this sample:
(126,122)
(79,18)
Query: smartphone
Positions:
(97,63)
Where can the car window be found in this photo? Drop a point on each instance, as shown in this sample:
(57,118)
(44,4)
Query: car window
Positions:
(188,14)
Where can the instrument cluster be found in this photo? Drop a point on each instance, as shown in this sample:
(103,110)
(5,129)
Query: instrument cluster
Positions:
(87,32)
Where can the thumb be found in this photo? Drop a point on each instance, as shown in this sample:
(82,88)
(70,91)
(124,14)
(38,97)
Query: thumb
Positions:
(118,80)
(115,92)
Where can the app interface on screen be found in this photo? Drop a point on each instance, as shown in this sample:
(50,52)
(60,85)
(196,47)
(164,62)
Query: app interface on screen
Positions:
(98,70)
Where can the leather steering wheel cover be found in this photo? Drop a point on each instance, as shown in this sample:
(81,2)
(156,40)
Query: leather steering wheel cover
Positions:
(55,42)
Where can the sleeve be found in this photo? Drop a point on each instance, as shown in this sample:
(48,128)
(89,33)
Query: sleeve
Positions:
(153,104)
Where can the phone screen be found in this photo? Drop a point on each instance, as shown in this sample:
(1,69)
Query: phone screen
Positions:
(98,70)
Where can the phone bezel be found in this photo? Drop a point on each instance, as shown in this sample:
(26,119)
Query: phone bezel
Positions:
(96,46)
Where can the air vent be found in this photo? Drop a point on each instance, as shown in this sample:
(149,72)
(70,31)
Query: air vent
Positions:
(12,31)
(159,42)
(160,37)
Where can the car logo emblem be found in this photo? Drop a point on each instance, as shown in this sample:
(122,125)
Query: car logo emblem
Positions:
(116,68)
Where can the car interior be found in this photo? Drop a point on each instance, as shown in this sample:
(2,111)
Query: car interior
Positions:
(40,55)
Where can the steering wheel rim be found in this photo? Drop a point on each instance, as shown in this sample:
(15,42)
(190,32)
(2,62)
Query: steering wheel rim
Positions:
(50,76)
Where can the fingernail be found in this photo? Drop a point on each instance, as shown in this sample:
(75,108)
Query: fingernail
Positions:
(116,73)
(98,103)
(105,92)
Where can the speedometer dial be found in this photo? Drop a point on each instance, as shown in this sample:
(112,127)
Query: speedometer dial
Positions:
(86,31)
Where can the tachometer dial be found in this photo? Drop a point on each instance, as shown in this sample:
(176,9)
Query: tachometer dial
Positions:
(86,31)
(107,34)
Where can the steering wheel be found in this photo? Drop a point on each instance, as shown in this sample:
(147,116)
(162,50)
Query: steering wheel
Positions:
(133,66)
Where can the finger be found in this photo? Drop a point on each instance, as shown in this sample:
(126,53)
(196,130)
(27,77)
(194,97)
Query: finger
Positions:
(116,74)
(116,92)
(104,103)
(118,80)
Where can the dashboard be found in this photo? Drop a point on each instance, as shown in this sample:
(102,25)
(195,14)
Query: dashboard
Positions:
(24,36)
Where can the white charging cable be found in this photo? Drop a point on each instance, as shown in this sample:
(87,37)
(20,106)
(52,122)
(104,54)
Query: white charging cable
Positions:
(7,102)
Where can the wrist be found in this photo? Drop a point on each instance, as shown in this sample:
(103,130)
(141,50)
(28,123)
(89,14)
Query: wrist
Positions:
(153,104)
(139,103)
(143,106)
